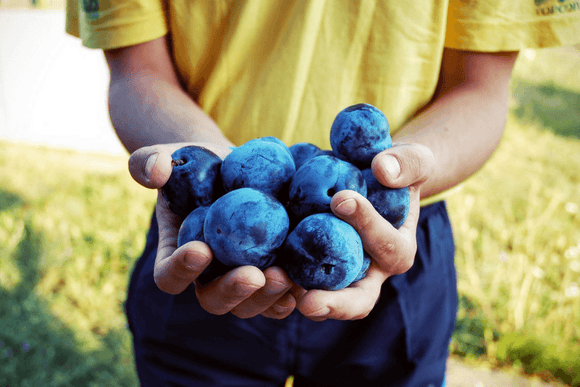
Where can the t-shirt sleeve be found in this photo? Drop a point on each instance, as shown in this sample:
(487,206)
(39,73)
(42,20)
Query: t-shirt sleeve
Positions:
(499,25)
(107,24)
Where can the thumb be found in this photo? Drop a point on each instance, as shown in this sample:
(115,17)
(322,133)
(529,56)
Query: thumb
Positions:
(150,166)
(403,165)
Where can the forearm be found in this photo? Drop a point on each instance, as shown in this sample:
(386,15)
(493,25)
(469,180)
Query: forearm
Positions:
(464,122)
(462,129)
(147,110)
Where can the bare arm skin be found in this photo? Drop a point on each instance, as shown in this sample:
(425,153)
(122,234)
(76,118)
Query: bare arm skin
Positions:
(147,104)
(451,139)
(464,123)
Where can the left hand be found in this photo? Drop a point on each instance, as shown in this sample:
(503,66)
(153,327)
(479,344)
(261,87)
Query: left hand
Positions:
(393,250)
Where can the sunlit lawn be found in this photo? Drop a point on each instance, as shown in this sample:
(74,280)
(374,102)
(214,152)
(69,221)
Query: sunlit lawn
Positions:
(72,225)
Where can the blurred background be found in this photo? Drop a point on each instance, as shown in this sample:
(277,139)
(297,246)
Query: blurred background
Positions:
(72,221)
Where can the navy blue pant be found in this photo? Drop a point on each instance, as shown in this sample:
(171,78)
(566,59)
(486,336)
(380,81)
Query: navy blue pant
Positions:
(403,341)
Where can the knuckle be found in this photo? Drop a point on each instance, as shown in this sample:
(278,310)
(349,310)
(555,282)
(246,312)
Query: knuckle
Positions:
(421,161)
(415,163)
(364,224)
(385,248)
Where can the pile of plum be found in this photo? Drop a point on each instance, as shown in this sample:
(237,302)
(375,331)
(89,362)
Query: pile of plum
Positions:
(268,204)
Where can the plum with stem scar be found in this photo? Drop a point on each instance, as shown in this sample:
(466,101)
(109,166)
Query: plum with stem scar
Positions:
(195,180)
(322,252)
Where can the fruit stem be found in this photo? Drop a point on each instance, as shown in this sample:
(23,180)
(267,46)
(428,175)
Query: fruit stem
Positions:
(177,162)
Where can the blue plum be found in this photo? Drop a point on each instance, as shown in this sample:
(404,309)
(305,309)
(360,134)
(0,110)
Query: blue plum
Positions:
(192,230)
(195,180)
(328,152)
(246,227)
(322,252)
(314,184)
(192,226)
(364,268)
(302,152)
(259,164)
(359,133)
(276,140)
(392,203)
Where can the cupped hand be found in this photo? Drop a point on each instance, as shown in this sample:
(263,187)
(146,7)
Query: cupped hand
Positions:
(245,291)
(393,250)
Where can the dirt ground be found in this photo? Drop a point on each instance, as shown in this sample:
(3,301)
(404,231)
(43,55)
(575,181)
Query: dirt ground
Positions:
(460,374)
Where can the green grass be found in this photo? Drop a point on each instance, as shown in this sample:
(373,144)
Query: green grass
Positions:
(518,254)
(516,225)
(72,225)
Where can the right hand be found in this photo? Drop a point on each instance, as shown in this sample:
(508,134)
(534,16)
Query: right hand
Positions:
(245,291)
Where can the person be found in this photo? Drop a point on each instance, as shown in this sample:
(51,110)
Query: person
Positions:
(219,73)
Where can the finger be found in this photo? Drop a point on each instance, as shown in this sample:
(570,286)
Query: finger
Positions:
(224,294)
(351,303)
(403,165)
(298,292)
(386,244)
(168,224)
(176,268)
(281,308)
(277,284)
(151,166)
(173,274)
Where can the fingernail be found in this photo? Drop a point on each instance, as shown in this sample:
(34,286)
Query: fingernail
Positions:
(321,312)
(346,207)
(150,164)
(392,166)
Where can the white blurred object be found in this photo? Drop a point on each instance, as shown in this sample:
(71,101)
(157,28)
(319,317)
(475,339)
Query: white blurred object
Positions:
(53,90)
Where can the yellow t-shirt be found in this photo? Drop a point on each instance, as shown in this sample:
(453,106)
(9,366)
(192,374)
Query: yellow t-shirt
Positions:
(286,68)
